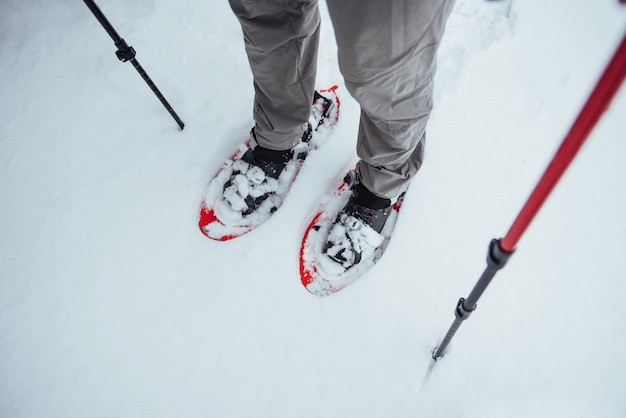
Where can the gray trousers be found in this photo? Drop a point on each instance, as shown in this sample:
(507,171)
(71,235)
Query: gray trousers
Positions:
(387,56)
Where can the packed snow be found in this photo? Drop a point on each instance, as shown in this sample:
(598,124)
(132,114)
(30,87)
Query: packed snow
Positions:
(113,304)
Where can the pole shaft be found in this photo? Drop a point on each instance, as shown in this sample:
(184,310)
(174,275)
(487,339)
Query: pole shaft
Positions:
(157,92)
(496,260)
(127,53)
(596,105)
(501,250)
(441,349)
(103,21)
(464,309)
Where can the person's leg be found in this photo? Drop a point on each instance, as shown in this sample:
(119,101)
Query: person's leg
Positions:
(281,40)
(387,55)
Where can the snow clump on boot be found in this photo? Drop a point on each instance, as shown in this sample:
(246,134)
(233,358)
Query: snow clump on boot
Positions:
(350,240)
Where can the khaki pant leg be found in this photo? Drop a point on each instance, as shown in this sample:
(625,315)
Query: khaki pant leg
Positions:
(387,55)
(281,40)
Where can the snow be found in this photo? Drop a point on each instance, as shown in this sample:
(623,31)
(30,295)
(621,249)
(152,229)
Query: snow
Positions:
(112,303)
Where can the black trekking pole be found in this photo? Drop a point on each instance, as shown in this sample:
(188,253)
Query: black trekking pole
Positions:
(501,250)
(127,53)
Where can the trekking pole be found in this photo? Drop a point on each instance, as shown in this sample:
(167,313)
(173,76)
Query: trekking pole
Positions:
(127,53)
(501,250)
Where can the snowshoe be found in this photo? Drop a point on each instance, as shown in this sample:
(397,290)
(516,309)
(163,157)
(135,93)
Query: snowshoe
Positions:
(253,184)
(340,245)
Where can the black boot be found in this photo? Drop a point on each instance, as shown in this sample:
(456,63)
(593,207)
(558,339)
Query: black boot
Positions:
(357,229)
(256,173)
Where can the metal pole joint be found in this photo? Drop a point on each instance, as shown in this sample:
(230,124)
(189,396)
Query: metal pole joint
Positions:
(461,311)
(497,257)
(124,52)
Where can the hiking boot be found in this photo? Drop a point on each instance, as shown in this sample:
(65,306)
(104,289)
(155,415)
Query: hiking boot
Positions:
(356,233)
(256,175)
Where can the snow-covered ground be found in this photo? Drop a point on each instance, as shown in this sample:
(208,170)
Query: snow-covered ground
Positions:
(112,303)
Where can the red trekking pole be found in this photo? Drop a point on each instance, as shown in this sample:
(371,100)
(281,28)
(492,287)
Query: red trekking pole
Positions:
(501,250)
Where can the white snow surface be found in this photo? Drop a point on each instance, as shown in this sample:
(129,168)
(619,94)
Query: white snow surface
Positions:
(113,304)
